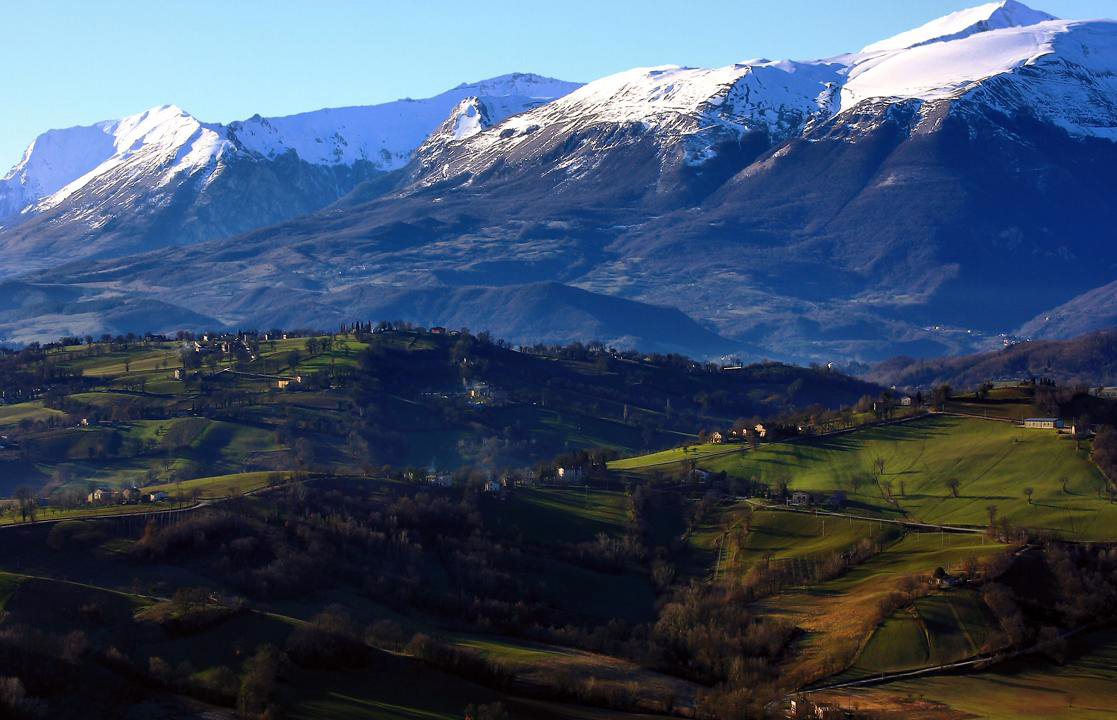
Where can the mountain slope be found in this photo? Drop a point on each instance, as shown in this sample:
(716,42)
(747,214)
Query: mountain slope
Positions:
(1093,309)
(162,177)
(1090,359)
(922,196)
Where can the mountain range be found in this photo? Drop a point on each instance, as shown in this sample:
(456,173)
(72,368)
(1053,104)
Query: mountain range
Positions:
(163,177)
(942,191)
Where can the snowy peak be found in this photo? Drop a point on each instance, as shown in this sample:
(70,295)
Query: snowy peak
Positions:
(695,106)
(52,160)
(165,142)
(60,162)
(517,84)
(469,117)
(387,135)
(956,25)
(1057,71)
(157,145)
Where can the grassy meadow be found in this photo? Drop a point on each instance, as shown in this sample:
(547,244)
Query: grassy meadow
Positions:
(992,463)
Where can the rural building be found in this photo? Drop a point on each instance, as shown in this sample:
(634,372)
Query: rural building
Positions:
(1081,430)
(1043,423)
(157,496)
(478,391)
(699,475)
(800,498)
(440,479)
(568,474)
(100,494)
(905,401)
(761,431)
(716,438)
(438,330)
(283,382)
(943,579)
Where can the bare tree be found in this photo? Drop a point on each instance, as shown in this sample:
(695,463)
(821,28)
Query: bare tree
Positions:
(952,485)
(1028,494)
(26,499)
(878,463)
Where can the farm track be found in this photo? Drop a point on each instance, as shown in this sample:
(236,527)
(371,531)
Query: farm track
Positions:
(906,523)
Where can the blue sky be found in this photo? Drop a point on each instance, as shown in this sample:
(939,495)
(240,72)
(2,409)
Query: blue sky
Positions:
(76,62)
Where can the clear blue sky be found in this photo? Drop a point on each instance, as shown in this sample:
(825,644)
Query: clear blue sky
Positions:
(78,61)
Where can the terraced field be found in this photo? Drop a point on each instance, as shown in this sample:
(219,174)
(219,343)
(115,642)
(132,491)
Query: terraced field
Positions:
(839,614)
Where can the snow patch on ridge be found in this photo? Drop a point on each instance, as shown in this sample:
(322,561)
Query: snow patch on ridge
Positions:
(1061,71)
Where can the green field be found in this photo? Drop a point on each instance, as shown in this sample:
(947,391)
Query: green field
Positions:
(899,643)
(1083,687)
(34,411)
(936,630)
(552,515)
(784,535)
(219,486)
(992,461)
(698,453)
(735,539)
(918,554)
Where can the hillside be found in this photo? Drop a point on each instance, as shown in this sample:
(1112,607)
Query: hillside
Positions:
(403,398)
(992,462)
(419,521)
(1088,360)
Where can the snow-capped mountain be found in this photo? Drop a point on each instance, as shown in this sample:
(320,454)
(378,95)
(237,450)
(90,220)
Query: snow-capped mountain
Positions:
(153,174)
(1003,55)
(919,195)
(691,110)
